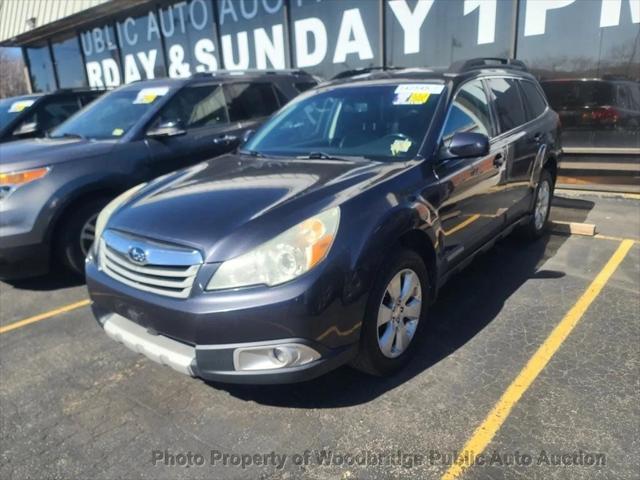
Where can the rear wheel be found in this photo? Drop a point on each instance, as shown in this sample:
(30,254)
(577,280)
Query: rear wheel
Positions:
(541,207)
(76,234)
(396,309)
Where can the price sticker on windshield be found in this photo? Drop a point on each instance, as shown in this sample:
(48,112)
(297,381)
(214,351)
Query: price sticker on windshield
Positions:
(415,94)
(400,146)
(20,105)
(149,95)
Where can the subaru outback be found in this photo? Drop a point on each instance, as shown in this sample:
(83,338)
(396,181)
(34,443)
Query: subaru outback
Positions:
(324,239)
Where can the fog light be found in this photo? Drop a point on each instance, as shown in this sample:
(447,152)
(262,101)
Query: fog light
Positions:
(268,357)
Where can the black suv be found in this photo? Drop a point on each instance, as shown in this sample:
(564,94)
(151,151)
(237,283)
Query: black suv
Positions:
(52,189)
(30,116)
(324,239)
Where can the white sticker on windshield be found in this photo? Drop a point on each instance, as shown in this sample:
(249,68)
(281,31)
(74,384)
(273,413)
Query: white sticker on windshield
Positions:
(20,105)
(415,93)
(148,95)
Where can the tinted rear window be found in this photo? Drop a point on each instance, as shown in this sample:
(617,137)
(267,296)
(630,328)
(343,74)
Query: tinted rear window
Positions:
(250,100)
(508,103)
(534,101)
(570,94)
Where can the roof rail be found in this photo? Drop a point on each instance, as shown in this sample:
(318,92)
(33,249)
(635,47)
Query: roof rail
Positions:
(254,71)
(361,71)
(486,62)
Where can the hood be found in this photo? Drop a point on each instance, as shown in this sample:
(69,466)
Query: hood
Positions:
(227,205)
(42,152)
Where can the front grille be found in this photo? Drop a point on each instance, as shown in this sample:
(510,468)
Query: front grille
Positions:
(170,271)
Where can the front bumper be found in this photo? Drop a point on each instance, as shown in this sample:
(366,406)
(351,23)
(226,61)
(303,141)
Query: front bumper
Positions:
(215,362)
(199,335)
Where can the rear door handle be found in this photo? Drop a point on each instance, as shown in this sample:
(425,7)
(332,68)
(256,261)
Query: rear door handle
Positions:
(498,160)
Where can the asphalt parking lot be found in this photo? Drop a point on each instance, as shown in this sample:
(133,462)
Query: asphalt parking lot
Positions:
(531,366)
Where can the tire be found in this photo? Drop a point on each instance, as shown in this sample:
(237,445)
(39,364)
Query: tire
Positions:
(372,357)
(72,235)
(538,222)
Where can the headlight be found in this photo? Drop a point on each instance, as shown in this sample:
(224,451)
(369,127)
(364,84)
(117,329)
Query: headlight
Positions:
(283,258)
(12,180)
(111,207)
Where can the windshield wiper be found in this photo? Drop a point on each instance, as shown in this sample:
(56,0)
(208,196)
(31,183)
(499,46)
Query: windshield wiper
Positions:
(320,156)
(70,135)
(253,153)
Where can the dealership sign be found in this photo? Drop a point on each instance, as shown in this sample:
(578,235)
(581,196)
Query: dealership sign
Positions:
(324,36)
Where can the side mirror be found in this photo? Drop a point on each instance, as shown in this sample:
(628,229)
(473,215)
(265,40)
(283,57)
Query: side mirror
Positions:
(26,129)
(247,135)
(167,129)
(467,144)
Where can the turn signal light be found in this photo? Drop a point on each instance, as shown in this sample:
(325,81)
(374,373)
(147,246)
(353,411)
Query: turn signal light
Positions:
(20,178)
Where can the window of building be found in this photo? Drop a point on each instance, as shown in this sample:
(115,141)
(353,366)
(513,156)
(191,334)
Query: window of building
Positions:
(41,68)
(102,61)
(141,48)
(189,37)
(250,100)
(469,112)
(195,107)
(508,103)
(68,63)
(533,99)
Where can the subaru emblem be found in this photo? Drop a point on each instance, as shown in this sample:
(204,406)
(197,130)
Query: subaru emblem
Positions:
(138,255)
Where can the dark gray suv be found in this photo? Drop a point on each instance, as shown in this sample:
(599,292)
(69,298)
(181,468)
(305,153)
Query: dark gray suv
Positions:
(31,116)
(52,189)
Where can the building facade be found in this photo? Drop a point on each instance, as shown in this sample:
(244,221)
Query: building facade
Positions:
(110,43)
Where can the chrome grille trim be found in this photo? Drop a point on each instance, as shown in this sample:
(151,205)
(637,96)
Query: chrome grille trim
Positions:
(169,275)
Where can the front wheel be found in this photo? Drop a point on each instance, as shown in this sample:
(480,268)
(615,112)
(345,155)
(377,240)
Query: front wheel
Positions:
(396,309)
(76,234)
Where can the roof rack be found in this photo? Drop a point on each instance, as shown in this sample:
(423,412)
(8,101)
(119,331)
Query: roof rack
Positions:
(486,62)
(361,71)
(253,71)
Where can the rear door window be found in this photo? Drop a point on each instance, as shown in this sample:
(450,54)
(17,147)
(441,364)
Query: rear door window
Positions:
(304,86)
(533,99)
(196,107)
(469,112)
(250,100)
(508,103)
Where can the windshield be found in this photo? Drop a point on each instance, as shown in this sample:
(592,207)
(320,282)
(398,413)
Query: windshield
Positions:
(112,115)
(379,122)
(10,108)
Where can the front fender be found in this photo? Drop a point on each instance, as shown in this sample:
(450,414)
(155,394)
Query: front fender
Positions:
(376,241)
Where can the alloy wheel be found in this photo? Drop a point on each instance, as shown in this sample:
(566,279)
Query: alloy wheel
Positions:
(399,313)
(88,234)
(542,205)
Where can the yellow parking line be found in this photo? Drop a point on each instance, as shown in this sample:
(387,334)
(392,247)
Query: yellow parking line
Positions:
(44,316)
(461,225)
(497,416)
(618,239)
